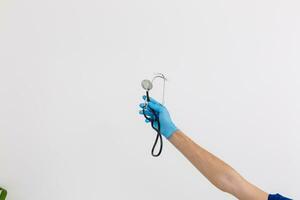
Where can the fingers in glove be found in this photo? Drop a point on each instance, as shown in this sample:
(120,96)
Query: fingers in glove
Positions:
(155,107)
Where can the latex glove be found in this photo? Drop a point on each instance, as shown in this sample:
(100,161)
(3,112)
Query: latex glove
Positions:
(167,127)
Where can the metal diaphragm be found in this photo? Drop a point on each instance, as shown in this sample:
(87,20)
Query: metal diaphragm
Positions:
(147,84)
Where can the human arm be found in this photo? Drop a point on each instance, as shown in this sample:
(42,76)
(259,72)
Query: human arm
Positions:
(219,173)
(215,170)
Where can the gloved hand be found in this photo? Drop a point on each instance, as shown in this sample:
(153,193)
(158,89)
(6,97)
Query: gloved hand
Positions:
(167,127)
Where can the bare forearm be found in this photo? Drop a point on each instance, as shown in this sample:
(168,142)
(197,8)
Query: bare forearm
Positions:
(215,170)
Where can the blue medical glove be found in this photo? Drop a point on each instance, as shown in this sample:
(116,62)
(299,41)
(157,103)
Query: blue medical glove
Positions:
(167,127)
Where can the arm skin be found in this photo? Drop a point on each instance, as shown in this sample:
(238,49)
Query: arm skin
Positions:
(215,170)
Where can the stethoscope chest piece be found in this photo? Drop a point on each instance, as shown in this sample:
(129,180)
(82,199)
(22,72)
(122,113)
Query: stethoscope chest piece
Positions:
(147,85)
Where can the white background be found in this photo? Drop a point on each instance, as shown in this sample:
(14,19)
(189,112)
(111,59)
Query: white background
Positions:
(70,75)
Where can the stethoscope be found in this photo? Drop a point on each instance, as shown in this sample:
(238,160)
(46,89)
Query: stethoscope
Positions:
(148,85)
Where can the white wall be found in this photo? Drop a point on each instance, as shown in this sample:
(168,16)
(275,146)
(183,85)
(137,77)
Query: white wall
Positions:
(70,75)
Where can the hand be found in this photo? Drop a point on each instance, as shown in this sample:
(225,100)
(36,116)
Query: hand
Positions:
(167,127)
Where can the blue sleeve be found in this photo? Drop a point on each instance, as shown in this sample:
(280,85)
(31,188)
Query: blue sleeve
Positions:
(277,197)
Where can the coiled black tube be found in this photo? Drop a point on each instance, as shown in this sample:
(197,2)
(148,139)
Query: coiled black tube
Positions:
(158,135)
